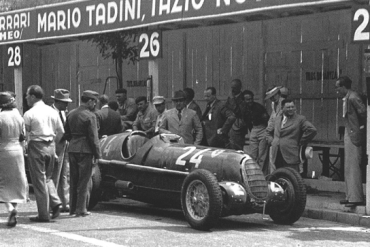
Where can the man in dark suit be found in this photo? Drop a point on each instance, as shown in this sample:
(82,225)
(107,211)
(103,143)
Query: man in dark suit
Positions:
(182,121)
(354,114)
(110,119)
(291,131)
(217,121)
(190,103)
(236,103)
(82,132)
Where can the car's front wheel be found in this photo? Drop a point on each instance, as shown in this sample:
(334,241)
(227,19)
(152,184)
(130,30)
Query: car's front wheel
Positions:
(291,208)
(201,199)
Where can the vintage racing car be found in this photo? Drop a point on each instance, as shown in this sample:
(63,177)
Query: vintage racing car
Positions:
(207,183)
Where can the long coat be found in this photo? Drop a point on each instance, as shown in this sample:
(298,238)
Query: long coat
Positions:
(296,132)
(218,117)
(13,181)
(184,127)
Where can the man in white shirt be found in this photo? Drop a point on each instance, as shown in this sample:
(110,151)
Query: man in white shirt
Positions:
(44,129)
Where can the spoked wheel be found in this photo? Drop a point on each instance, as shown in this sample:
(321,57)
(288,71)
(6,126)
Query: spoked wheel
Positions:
(201,199)
(291,208)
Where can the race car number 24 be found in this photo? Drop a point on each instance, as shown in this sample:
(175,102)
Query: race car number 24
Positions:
(197,157)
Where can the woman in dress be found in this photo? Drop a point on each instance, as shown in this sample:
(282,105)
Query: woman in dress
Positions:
(13,181)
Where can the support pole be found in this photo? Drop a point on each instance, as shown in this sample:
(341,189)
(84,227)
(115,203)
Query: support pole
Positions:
(18,82)
(153,72)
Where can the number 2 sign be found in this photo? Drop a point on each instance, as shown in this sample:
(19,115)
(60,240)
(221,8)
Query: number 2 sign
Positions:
(150,45)
(14,55)
(360,25)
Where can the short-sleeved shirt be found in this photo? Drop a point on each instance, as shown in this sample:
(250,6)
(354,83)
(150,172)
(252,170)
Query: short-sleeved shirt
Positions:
(42,122)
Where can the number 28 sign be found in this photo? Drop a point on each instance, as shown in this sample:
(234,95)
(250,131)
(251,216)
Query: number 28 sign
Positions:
(14,55)
(150,45)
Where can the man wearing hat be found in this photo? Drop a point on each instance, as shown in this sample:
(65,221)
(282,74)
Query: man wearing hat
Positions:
(82,134)
(159,103)
(276,94)
(182,121)
(291,131)
(61,169)
(44,128)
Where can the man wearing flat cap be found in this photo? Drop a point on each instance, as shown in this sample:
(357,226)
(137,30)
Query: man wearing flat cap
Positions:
(182,121)
(61,169)
(82,134)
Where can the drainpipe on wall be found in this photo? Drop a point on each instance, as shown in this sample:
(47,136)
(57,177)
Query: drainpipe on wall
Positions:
(368,146)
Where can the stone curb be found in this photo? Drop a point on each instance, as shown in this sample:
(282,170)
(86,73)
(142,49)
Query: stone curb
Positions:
(341,217)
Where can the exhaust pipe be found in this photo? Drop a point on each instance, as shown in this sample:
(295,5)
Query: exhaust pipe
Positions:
(124,185)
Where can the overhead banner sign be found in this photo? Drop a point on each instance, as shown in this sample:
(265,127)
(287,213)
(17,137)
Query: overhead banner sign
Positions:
(96,16)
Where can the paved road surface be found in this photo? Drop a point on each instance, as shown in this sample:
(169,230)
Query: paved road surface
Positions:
(131,223)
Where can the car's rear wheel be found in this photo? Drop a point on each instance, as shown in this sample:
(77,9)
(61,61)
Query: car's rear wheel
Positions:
(95,190)
(291,208)
(201,199)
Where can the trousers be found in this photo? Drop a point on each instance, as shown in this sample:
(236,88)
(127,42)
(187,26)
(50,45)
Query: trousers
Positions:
(258,148)
(80,178)
(60,176)
(41,158)
(352,170)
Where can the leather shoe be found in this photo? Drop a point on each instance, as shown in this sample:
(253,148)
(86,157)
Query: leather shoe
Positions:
(83,214)
(12,220)
(56,212)
(354,204)
(65,210)
(37,219)
(343,201)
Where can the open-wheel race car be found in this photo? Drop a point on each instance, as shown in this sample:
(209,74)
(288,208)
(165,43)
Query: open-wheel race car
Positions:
(207,183)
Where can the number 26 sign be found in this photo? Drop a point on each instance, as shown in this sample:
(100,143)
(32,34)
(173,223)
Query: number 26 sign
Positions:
(360,24)
(150,45)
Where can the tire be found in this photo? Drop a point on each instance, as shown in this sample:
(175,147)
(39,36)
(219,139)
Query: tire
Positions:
(95,190)
(201,199)
(291,209)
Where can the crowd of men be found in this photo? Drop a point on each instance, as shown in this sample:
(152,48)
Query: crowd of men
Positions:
(60,143)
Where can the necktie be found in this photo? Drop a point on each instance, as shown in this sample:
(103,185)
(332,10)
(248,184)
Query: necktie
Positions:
(206,112)
(179,115)
(61,117)
(284,121)
(344,107)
